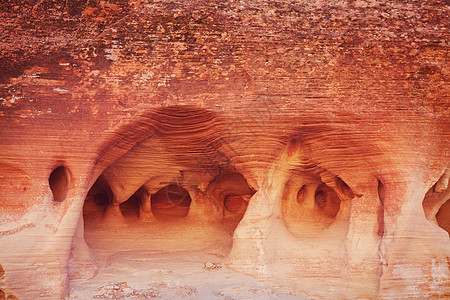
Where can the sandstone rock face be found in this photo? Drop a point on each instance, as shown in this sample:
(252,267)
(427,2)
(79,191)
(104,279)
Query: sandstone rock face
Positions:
(305,142)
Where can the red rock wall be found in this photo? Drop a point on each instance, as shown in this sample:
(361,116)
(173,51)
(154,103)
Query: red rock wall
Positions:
(351,97)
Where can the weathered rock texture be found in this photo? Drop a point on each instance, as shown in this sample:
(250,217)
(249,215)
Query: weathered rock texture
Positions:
(307,141)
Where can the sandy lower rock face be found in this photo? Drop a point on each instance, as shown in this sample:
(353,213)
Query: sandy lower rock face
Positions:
(295,149)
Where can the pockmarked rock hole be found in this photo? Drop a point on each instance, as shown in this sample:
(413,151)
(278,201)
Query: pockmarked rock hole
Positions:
(59,183)
(436,203)
(312,208)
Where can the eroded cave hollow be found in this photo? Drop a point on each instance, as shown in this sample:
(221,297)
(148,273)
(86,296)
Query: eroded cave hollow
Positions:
(315,203)
(436,203)
(171,191)
(59,183)
(443,216)
(165,218)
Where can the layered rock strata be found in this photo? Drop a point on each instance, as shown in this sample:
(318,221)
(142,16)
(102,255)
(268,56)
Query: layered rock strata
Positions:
(305,142)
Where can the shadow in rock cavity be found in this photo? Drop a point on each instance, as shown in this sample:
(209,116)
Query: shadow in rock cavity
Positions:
(59,183)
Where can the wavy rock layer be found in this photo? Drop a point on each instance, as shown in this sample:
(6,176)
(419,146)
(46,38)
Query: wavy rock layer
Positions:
(305,142)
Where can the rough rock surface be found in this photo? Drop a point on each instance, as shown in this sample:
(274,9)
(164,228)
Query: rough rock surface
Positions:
(307,142)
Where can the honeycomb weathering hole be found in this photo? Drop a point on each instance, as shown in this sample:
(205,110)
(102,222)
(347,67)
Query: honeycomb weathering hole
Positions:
(443,216)
(59,183)
(100,199)
(311,208)
(320,199)
(301,194)
(381,192)
(170,202)
(327,201)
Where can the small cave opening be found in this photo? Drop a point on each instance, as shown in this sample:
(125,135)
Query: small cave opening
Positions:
(443,216)
(59,183)
(170,202)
